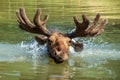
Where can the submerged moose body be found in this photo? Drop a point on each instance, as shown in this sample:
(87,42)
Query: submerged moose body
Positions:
(58,43)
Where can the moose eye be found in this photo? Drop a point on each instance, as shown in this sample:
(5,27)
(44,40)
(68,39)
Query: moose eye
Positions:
(70,41)
(50,41)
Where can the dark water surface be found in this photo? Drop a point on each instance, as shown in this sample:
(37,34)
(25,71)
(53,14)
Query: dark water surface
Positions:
(21,59)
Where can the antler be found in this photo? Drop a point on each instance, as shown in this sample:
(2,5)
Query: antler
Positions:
(38,27)
(84,30)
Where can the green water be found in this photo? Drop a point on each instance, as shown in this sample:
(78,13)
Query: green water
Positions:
(100,59)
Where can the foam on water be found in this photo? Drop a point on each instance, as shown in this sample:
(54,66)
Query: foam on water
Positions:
(92,54)
(95,54)
(11,52)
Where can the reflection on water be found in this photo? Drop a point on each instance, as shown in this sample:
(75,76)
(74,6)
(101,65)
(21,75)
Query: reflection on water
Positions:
(25,60)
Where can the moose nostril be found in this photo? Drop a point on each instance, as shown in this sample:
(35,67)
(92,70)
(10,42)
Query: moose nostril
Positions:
(55,53)
(58,49)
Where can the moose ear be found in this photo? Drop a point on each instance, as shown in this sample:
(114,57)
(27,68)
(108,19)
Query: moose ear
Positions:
(78,46)
(41,39)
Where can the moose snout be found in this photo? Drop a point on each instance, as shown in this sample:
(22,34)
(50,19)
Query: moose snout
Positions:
(56,55)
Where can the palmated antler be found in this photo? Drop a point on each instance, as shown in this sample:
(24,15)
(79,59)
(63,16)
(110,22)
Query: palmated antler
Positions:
(39,26)
(85,30)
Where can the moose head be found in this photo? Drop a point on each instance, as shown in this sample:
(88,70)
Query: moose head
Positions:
(58,43)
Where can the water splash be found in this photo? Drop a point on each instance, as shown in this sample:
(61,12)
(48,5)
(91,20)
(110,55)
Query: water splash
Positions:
(37,53)
(11,52)
(95,52)
(34,49)
(25,51)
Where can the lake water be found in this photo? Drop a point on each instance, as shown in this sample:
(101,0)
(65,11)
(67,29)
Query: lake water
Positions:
(21,59)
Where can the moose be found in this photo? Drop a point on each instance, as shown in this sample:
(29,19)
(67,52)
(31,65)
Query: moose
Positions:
(58,44)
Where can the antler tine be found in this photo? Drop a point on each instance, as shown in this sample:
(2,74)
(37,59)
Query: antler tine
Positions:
(37,20)
(85,22)
(97,18)
(98,30)
(84,30)
(37,17)
(80,27)
(41,24)
(25,23)
(76,20)
(19,17)
(45,18)
(25,18)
